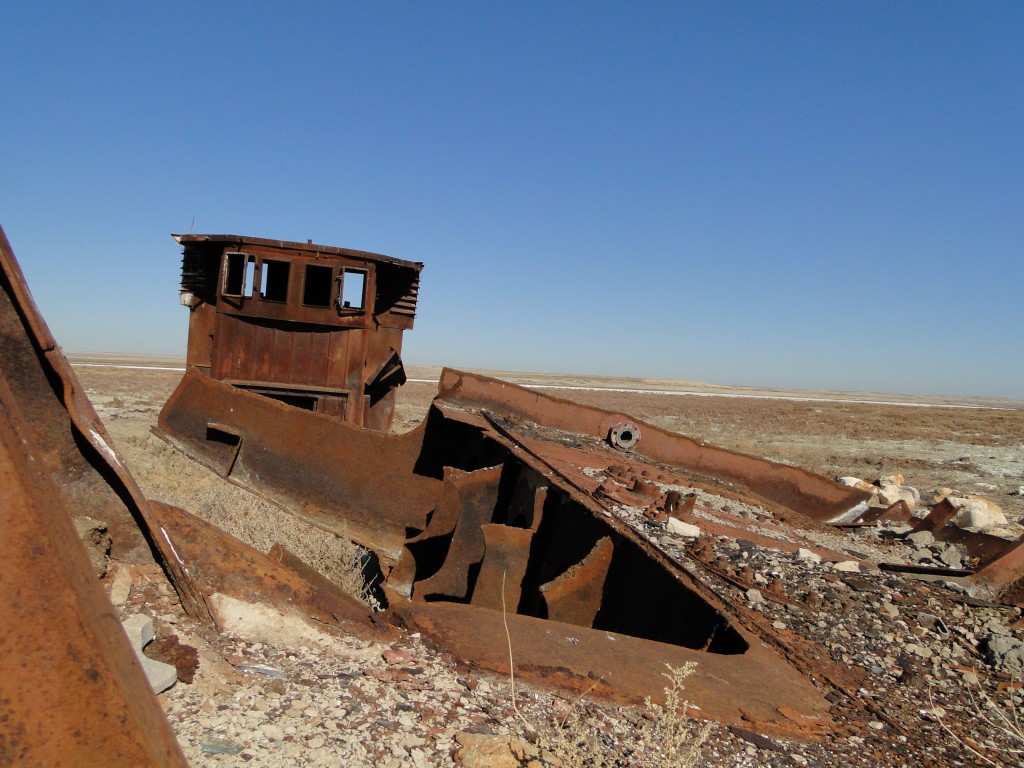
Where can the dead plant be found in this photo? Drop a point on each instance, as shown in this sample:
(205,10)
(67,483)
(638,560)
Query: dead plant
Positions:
(577,740)
(991,717)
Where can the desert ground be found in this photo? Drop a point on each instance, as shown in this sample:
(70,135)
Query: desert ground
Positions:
(302,703)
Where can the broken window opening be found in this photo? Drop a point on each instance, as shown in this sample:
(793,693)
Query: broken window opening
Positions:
(352,289)
(239,271)
(274,280)
(316,288)
(305,402)
(217,435)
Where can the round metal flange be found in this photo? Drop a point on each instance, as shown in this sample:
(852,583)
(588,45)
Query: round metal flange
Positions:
(624,435)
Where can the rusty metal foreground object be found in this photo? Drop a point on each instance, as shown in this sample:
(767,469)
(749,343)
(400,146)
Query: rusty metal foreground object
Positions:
(71,690)
(766,695)
(465,511)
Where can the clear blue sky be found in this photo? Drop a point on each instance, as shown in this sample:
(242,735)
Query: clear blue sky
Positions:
(816,195)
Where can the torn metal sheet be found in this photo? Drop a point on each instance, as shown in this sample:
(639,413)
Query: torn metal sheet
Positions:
(72,691)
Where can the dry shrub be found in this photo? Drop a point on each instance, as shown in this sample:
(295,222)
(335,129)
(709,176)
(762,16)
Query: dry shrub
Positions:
(998,732)
(669,738)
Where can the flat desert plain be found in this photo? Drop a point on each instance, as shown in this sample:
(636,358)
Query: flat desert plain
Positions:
(972,445)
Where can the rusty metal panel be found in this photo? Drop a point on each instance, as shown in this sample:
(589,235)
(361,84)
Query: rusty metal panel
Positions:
(804,492)
(506,557)
(754,689)
(72,692)
(359,483)
(575,596)
(219,564)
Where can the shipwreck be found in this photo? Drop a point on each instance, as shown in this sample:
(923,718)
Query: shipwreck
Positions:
(577,535)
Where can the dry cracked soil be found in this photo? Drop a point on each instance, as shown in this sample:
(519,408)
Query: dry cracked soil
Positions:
(917,673)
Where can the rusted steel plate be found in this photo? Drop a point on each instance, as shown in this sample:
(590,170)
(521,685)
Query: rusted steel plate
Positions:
(71,691)
(941,513)
(575,596)
(368,486)
(477,495)
(748,688)
(809,494)
(506,556)
(219,564)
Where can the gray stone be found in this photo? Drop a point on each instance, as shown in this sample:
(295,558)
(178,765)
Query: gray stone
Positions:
(921,539)
(951,558)
(1005,653)
(139,629)
(847,566)
(807,555)
(679,528)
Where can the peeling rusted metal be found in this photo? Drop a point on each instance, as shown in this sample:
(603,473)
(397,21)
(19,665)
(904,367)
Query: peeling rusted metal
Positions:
(72,692)
(751,689)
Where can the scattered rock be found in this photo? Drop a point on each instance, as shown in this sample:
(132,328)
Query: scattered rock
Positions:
(888,494)
(856,482)
(485,751)
(921,539)
(121,585)
(679,528)
(808,556)
(139,629)
(847,566)
(1005,653)
(977,513)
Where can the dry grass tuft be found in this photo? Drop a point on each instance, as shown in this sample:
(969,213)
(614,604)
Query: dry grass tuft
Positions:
(993,720)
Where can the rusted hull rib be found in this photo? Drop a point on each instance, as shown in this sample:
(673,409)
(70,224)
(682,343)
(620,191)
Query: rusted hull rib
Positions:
(71,691)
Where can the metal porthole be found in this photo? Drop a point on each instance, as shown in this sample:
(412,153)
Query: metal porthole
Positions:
(624,435)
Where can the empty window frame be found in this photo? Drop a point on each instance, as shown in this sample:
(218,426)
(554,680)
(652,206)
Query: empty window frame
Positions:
(274,280)
(317,285)
(352,289)
(239,274)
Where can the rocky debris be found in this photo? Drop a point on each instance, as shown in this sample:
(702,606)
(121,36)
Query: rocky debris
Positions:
(121,585)
(93,534)
(1005,653)
(886,490)
(479,750)
(808,556)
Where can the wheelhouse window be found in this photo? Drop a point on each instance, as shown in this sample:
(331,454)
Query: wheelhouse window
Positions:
(274,280)
(317,286)
(352,291)
(239,274)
